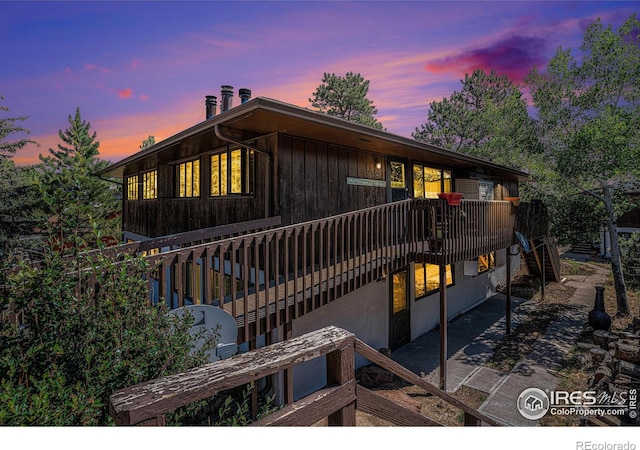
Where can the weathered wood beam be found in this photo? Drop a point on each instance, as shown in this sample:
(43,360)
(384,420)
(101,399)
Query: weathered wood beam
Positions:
(155,398)
(312,408)
(404,373)
(340,370)
(379,406)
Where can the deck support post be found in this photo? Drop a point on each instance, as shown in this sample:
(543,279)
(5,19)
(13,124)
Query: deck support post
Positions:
(341,370)
(508,306)
(443,327)
(288,373)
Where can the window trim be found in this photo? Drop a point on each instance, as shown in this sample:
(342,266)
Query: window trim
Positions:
(442,177)
(247,172)
(176,184)
(137,187)
(144,186)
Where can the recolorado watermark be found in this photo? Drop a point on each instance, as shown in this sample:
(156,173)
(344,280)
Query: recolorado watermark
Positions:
(534,403)
(590,445)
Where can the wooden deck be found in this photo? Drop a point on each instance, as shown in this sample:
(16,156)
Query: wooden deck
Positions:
(268,278)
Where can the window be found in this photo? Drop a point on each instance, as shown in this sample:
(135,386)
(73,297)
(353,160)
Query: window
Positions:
(427,278)
(132,188)
(486,262)
(232,172)
(399,291)
(428,182)
(150,185)
(397,175)
(188,179)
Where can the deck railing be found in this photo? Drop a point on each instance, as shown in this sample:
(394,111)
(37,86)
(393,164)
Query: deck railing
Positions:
(271,277)
(148,403)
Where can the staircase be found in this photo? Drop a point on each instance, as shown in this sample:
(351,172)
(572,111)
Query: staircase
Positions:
(544,253)
(582,248)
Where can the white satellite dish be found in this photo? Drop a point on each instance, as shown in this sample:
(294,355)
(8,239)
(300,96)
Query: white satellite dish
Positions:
(212,319)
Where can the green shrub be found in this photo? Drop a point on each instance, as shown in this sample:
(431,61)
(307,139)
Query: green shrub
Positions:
(72,350)
(630,255)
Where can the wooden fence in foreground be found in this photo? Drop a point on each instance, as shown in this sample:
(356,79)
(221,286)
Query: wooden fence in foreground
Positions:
(147,403)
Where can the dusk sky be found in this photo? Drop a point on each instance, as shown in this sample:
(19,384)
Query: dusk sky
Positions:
(143,68)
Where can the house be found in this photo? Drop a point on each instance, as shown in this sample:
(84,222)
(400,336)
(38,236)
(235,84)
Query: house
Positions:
(292,220)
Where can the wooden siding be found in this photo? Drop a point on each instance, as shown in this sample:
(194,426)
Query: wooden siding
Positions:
(169,215)
(307,180)
(313,179)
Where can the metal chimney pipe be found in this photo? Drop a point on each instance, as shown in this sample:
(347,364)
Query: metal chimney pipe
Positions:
(210,103)
(227,97)
(245,95)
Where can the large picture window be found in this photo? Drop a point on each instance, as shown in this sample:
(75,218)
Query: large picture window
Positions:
(150,185)
(428,181)
(427,278)
(132,188)
(232,172)
(188,179)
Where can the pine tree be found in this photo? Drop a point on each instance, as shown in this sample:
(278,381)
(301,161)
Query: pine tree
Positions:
(9,125)
(17,191)
(76,198)
(148,142)
(346,97)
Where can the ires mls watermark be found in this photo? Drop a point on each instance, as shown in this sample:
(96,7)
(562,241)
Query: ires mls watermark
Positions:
(534,403)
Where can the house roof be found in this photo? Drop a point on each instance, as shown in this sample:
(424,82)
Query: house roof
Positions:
(261,116)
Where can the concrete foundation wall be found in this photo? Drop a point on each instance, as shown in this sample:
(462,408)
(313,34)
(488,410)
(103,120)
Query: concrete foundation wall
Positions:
(466,293)
(363,312)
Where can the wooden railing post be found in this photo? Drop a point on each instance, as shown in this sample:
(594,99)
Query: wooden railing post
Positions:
(470,420)
(341,370)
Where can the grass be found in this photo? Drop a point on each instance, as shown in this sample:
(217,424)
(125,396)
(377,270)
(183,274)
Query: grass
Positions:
(571,267)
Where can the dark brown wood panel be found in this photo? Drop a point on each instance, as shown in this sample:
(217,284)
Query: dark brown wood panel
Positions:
(169,215)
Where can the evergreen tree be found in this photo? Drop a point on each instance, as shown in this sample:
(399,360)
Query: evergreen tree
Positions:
(346,97)
(487,118)
(76,198)
(17,191)
(148,142)
(20,208)
(9,125)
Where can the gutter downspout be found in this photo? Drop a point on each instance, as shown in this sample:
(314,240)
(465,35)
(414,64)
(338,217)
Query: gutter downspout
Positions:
(218,132)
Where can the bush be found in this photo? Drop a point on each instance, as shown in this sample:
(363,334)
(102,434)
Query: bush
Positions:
(630,255)
(72,350)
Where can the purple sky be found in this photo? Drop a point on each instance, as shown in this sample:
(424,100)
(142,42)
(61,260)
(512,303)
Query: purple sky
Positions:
(143,68)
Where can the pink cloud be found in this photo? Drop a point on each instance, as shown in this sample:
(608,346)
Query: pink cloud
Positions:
(144,97)
(514,56)
(134,64)
(125,93)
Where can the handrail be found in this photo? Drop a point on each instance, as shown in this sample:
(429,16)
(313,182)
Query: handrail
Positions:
(271,277)
(147,403)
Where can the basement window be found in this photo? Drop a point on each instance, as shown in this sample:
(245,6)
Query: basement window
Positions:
(188,179)
(427,278)
(232,172)
(486,262)
(428,182)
